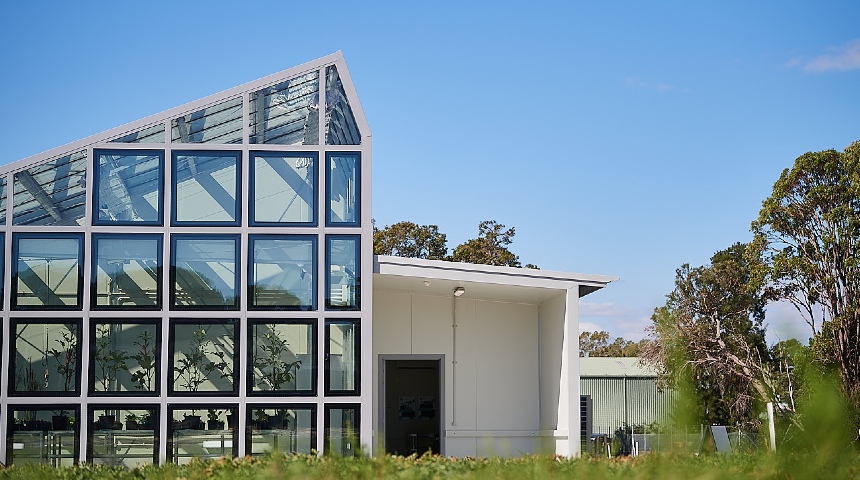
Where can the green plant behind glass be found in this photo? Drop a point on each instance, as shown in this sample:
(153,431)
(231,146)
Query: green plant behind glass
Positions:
(26,379)
(145,357)
(109,359)
(66,356)
(270,367)
(194,367)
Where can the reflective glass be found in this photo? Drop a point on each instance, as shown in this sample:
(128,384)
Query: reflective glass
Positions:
(47,271)
(127,271)
(286,113)
(281,428)
(340,125)
(283,272)
(342,356)
(204,273)
(43,435)
(46,358)
(200,432)
(221,123)
(343,272)
(128,187)
(206,187)
(284,187)
(123,437)
(341,430)
(282,356)
(203,357)
(343,184)
(2,200)
(125,356)
(53,193)
(151,134)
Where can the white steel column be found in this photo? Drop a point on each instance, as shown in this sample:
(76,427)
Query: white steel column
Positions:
(568,402)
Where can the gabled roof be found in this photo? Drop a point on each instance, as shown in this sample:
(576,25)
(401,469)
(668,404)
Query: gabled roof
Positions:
(217,119)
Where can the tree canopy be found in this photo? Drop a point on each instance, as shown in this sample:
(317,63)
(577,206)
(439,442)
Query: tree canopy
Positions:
(597,344)
(490,248)
(407,239)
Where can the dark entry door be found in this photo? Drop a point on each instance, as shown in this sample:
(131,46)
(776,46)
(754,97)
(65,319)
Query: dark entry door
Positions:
(412,406)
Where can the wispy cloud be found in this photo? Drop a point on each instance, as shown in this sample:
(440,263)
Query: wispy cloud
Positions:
(842,58)
(618,320)
(661,87)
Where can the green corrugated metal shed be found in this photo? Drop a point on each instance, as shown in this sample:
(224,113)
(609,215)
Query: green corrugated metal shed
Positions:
(623,391)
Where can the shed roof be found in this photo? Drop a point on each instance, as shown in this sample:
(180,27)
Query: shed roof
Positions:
(614,367)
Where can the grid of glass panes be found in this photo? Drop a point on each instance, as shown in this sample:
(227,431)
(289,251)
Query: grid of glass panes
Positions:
(174,249)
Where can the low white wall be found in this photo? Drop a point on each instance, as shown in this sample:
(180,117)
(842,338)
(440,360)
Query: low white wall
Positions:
(494,406)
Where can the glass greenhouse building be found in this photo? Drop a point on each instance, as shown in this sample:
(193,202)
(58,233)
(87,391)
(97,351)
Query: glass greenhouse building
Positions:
(190,286)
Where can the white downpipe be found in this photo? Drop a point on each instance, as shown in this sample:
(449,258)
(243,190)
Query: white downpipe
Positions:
(454,361)
(771,427)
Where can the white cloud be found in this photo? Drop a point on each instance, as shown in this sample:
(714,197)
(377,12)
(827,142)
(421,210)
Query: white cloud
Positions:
(617,320)
(843,58)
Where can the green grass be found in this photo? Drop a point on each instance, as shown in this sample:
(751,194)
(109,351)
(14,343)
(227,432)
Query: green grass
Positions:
(657,466)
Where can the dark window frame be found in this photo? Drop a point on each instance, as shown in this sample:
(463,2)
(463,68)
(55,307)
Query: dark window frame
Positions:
(233,408)
(159,300)
(329,392)
(237,154)
(13,301)
(94,322)
(156,415)
(171,354)
(237,240)
(327,423)
(269,405)
(328,240)
(252,188)
(74,409)
(329,222)
(252,261)
(13,352)
(96,174)
(249,388)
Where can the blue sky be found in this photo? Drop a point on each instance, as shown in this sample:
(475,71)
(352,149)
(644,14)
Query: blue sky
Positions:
(620,138)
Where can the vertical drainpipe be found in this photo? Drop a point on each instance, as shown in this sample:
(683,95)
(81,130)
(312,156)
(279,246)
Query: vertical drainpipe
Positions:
(454,361)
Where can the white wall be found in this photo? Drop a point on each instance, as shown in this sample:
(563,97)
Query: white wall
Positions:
(492,397)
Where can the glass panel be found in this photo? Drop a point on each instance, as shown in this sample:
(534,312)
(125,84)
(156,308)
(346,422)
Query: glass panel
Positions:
(151,134)
(128,271)
(341,430)
(53,193)
(43,435)
(191,437)
(203,356)
(284,188)
(206,187)
(2,200)
(283,272)
(286,113)
(128,187)
(340,126)
(343,189)
(125,357)
(342,357)
(343,272)
(281,428)
(221,123)
(282,357)
(48,271)
(124,437)
(204,272)
(46,357)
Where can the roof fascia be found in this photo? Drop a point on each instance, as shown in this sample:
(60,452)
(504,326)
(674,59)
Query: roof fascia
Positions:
(162,117)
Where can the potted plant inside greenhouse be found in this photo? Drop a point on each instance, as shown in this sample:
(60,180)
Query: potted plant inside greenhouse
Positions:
(194,367)
(132,422)
(214,422)
(60,420)
(144,376)
(272,361)
(66,356)
(108,358)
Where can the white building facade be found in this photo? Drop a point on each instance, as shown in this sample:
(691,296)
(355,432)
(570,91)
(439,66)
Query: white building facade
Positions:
(190,285)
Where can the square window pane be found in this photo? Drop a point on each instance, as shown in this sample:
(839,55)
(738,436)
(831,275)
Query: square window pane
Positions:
(284,188)
(201,432)
(32,429)
(203,271)
(125,357)
(53,193)
(283,269)
(341,430)
(127,271)
(282,357)
(343,273)
(206,187)
(47,271)
(46,359)
(128,187)
(123,437)
(282,429)
(344,185)
(342,357)
(203,357)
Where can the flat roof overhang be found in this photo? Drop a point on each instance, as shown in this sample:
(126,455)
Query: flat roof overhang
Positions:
(486,282)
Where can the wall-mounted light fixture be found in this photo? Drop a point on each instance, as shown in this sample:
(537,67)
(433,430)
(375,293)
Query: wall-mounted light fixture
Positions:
(459,291)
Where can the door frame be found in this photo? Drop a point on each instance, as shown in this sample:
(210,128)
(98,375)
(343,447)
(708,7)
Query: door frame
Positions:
(383,381)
